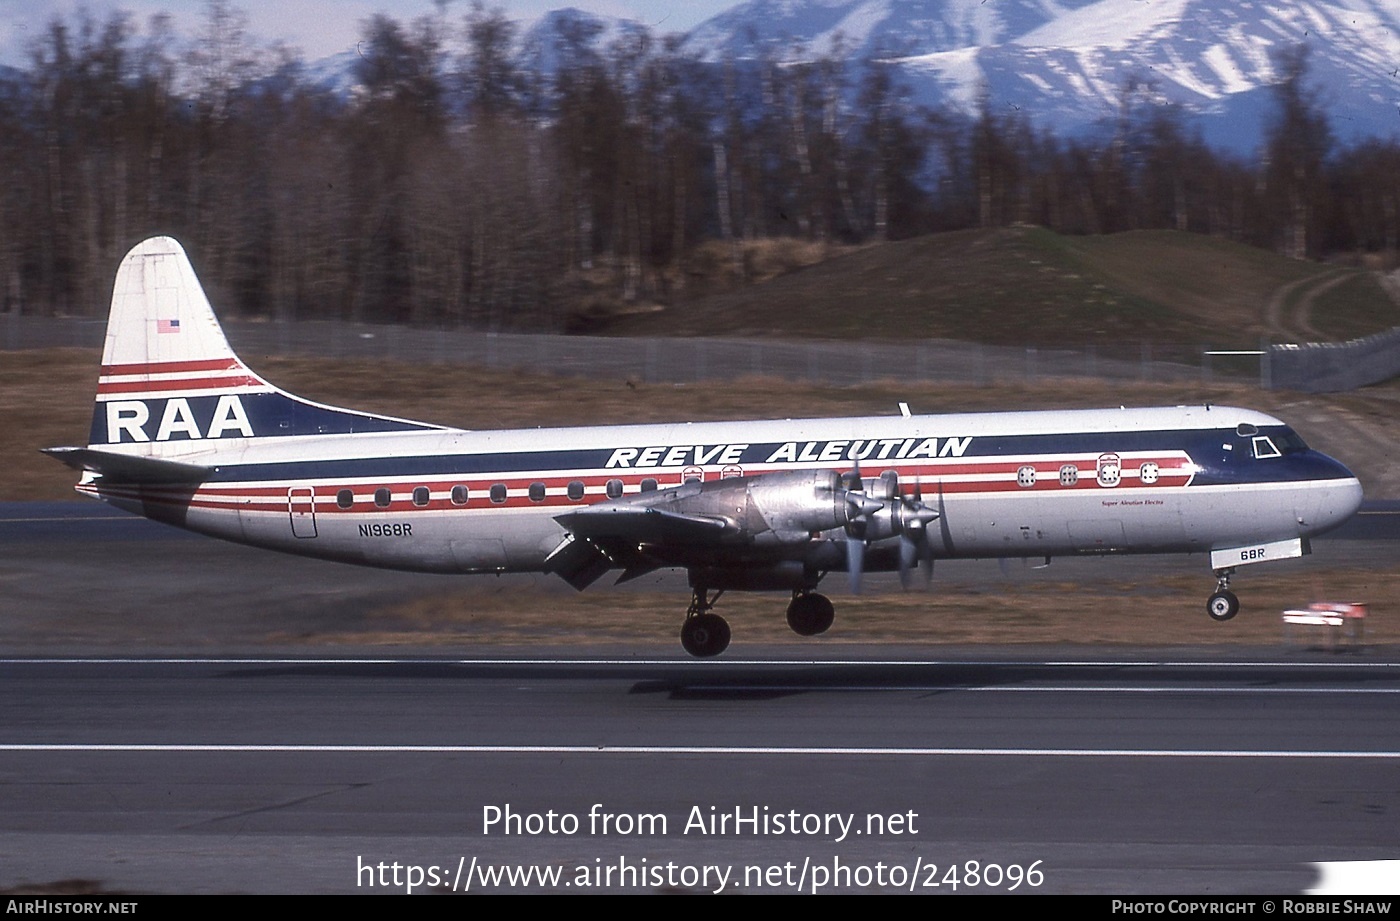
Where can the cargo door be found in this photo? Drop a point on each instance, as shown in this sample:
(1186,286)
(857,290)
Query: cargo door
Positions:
(301,505)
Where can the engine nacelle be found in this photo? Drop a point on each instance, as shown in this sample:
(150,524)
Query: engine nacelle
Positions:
(794,505)
(786,507)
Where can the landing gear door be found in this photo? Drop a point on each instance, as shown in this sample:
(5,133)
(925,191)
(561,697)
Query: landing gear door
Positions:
(301,505)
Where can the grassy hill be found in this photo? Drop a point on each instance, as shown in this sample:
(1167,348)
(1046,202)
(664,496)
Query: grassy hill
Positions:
(1027,285)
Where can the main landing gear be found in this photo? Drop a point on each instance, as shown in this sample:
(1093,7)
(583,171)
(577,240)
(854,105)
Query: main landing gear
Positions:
(810,614)
(1223,605)
(704,633)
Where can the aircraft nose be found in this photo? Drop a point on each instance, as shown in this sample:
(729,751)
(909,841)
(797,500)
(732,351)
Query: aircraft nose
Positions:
(1334,502)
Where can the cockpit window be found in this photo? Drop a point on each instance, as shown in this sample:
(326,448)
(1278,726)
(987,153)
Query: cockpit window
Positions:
(1289,442)
(1264,447)
(1246,429)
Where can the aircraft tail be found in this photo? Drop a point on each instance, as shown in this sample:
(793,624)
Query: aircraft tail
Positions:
(171,386)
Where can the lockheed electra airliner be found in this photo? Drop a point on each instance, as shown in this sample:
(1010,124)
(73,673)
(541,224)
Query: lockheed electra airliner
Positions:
(183,432)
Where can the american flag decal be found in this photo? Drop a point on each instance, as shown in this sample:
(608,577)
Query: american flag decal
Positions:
(167,326)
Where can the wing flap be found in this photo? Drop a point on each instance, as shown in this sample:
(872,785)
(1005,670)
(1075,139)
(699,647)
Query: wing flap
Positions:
(578,561)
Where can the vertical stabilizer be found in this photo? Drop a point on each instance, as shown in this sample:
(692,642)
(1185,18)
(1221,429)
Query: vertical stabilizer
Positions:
(161,326)
(171,386)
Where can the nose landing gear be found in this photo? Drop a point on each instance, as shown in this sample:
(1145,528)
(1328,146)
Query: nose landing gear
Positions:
(1223,605)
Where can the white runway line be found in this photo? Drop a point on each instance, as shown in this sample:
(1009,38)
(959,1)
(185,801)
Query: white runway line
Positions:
(700,663)
(805,751)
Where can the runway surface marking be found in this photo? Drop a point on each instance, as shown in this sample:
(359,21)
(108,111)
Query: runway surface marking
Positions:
(702,664)
(705,750)
(1105,688)
(69,519)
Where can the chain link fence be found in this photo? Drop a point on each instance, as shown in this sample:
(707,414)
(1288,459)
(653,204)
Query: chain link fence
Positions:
(1324,367)
(685,360)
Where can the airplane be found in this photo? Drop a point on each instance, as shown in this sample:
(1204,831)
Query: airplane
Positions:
(185,433)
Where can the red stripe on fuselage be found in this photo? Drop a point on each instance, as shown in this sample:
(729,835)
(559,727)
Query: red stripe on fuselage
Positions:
(237,497)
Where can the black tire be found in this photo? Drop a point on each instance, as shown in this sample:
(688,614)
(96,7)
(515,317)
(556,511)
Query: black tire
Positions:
(811,614)
(705,635)
(1222,606)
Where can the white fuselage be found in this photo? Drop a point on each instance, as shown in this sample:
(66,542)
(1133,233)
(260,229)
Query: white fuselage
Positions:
(1004,484)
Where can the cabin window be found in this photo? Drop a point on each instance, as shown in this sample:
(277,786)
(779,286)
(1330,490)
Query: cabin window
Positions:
(649,485)
(1264,447)
(576,490)
(1069,475)
(498,493)
(536,492)
(381,497)
(1109,470)
(420,496)
(614,489)
(345,498)
(1025,476)
(1148,473)
(692,475)
(459,495)
(1245,430)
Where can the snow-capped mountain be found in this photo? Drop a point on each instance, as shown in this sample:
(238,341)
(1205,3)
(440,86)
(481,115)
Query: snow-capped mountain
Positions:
(870,27)
(1063,63)
(539,43)
(1066,63)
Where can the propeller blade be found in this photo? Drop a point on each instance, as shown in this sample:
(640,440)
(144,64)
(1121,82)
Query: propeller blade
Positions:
(855,562)
(915,549)
(851,479)
(908,559)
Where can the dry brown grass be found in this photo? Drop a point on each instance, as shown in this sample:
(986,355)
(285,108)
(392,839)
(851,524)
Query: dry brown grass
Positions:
(1122,611)
(46,399)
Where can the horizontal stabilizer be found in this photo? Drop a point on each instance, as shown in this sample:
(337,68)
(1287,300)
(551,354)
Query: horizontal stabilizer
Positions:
(126,468)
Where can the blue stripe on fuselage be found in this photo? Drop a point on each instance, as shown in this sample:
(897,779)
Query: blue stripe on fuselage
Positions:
(1203,446)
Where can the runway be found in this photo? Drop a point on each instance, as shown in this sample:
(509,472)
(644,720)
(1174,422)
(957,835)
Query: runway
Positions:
(1128,775)
(847,768)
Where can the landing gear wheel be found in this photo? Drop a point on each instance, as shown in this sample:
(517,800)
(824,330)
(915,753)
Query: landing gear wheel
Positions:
(810,614)
(1223,605)
(705,635)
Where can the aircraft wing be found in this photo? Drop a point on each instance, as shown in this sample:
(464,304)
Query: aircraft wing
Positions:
(126,468)
(609,535)
(644,525)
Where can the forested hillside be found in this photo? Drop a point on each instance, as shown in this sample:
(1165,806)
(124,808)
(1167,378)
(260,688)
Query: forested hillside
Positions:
(461,182)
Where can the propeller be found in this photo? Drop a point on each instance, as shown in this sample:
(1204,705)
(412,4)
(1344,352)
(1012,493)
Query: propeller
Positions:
(857,524)
(914,546)
(908,518)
